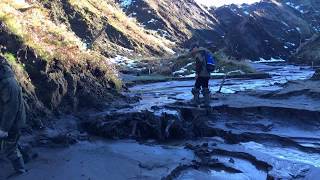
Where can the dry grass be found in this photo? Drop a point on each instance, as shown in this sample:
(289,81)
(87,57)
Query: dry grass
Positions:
(96,13)
(228,64)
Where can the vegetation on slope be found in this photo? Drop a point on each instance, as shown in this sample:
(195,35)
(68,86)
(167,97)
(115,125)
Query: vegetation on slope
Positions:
(53,65)
(49,40)
(117,31)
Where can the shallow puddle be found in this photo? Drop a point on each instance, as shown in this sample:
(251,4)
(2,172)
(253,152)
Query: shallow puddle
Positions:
(292,155)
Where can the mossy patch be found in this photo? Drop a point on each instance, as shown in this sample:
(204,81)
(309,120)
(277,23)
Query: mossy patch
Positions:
(12,60)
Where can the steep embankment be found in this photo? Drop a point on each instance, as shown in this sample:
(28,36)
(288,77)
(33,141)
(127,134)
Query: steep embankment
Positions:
(103,25)
(180,21)
(54,67)
(309,52)
(266,29)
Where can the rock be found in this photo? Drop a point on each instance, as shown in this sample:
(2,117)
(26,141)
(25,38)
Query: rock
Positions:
(316,75)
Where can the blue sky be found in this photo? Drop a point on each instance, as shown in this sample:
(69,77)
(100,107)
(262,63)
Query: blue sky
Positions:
(218,3)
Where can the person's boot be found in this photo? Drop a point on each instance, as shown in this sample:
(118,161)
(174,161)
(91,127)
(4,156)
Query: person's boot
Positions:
(18,165)
(206,96)
(19,168)
(196,96)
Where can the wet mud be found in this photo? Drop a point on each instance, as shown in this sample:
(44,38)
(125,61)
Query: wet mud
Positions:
(261,129)
(261,133)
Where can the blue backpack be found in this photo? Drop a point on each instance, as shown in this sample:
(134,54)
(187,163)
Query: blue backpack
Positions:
(211,62)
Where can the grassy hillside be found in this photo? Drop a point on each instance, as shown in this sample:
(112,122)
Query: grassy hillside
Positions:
(178,20)
(309,52)
(53,65)
(103,25)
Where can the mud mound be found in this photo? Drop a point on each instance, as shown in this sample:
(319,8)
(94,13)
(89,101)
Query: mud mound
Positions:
(144,125)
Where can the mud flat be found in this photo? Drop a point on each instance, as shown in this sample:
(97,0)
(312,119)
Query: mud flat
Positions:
(253,130)
(251,134)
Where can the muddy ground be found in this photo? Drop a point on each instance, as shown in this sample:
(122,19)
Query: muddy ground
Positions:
(253,130)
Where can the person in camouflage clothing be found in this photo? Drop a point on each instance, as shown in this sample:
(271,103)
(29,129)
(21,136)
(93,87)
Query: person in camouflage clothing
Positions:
(202,74)
(12,116)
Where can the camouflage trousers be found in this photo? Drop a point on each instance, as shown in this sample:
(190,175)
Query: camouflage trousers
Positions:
(9,147)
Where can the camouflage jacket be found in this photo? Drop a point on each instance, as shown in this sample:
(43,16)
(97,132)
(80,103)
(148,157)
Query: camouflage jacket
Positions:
(12,110)
(201,64)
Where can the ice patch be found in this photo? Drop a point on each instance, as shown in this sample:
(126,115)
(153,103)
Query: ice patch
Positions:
(298,29)
(163,33)
(285,153)
(183,69)
(290,44)
(217,74)
(297,7)
(262,60)
(125,3)
(123,61)
(151,21)
(285,23)
(168,50)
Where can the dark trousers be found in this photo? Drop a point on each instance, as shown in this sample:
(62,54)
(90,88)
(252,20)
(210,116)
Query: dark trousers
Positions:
(202,82)
(9,147)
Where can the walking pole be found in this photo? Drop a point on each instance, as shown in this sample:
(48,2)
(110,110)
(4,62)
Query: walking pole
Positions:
(221,85)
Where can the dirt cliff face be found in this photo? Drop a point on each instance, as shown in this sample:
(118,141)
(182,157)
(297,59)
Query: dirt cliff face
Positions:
(56,72)
(53,86)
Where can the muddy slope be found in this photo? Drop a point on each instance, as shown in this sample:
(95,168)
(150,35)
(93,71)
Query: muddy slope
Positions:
(51,86)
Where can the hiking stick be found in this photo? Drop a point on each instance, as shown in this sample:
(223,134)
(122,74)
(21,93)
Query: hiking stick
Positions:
(221,85)
(224,79)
